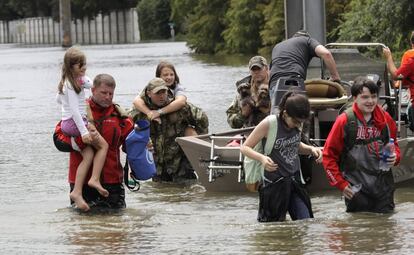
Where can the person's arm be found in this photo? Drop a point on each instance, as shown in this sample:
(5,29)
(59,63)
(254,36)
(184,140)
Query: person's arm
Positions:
(177,104)
(311,150)
(140,105)
(234,114)
(327,57)
(73,101)
(332,151)
(393,134)
(390,62)
(252,140)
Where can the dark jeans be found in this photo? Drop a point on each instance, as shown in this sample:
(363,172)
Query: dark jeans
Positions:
(297,208)
(411,117)
(363,202)
(281,196)
(115,200)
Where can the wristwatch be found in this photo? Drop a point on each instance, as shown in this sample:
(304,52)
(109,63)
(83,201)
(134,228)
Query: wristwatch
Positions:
(160,111)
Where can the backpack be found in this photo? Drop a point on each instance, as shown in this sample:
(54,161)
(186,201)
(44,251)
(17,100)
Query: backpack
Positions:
(253,169)
(140,159)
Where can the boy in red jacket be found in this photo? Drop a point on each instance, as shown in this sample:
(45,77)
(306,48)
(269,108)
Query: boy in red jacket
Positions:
(353,150)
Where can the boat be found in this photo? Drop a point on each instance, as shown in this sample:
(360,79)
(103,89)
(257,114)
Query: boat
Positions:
(219,167)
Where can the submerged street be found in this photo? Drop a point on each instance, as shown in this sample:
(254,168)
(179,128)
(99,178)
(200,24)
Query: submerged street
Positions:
(35,215)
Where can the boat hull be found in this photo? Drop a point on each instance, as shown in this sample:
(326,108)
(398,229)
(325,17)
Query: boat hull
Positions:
(198,151)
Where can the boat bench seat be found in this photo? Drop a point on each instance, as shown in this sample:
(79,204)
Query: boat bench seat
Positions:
(325,94)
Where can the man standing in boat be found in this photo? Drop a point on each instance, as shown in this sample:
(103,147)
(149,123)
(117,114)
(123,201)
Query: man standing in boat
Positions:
(172,165)
(290,59)
(354,148)
(406,69)
(252,102)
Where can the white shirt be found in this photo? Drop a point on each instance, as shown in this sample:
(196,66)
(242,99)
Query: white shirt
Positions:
(73,104)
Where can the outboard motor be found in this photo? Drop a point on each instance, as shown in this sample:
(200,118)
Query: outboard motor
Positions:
(282,86)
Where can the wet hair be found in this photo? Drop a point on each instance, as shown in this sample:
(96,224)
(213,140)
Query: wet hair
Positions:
(362,82)
(104,78)
(72,57)
(296,105)
(164,64)
(412,37)
(301,33)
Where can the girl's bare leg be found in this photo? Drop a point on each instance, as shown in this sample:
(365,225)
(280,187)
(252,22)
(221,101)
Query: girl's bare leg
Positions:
(101,147)
(82,171)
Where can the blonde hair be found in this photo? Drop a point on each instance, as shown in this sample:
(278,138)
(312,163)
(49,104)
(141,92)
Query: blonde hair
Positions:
(72,57)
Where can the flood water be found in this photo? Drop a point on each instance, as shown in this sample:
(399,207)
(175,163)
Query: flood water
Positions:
(35,217)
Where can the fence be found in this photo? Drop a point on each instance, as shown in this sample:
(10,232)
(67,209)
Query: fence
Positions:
(115,27)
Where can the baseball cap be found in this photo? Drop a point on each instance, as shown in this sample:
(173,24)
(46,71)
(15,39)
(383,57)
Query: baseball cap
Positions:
(301,33)
(156,85)
(258,61)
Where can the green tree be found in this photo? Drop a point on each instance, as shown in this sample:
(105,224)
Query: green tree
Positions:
(334,10)
(17,9)
(244,20)
(274,26)
(154,16)
(206,26)
(83,8)
(384,21)
(180,13)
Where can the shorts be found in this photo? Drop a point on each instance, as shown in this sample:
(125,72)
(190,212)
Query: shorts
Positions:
(69,127)
(115,200)
(67,143)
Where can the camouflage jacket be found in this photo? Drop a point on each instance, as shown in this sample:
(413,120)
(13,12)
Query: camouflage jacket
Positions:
(237,120)
(167,152)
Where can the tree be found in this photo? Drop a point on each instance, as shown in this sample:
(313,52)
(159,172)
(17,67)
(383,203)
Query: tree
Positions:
(154,16)
(180,13)
(17,9)
(334,10)
(90,8)
(274,26)
(244,20)
(206,26)
(384,21)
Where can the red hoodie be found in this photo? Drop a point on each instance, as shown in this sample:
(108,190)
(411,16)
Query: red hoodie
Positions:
(335,142)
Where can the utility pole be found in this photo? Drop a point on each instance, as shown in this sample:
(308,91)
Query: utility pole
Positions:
(65,22)
(308,15)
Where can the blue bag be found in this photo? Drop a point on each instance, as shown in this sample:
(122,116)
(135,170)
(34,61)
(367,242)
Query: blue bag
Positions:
(139,157)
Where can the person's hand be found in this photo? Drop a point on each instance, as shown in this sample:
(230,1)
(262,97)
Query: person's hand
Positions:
(154,116)
(268,164)
(336,79)
(316,152)
(348,193)
(391,160)
(387,52)
(87,139)
(150,146)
